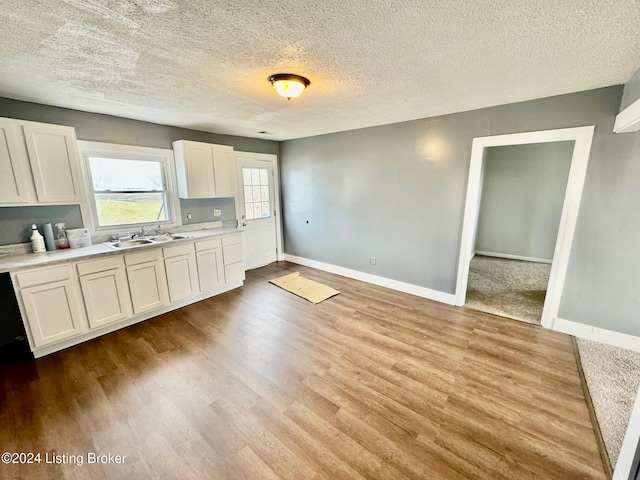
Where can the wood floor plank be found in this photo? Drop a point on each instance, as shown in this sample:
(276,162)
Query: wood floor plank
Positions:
(258,383)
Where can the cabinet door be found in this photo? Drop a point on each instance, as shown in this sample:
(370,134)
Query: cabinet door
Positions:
(224,170)
(106,297)
(210,269)
(148,286)
(53,311)
(198,163)
(182,276)
(53,156)
(15,176)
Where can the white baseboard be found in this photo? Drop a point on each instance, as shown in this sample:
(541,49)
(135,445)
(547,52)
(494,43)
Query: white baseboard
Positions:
(513,257)
(416,290)
(598,334)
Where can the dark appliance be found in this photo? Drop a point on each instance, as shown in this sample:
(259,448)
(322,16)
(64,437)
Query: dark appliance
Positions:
(14,345)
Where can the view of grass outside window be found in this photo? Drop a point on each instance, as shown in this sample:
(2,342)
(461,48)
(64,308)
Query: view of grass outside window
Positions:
(128,191)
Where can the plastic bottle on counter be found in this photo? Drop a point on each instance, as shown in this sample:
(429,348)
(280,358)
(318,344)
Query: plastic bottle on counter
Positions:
(37,241)
(49,241)
(61,236)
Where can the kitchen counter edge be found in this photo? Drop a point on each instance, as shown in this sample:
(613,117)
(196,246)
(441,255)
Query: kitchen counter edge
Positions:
(23,261)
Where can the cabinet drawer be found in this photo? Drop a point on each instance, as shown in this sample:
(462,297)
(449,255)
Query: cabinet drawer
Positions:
(44,275)
(177,250)
(207,244)
(232,239)
(146,256)
(103,265)
(232,254)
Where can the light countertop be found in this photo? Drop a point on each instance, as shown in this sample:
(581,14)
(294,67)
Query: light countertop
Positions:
(11,262)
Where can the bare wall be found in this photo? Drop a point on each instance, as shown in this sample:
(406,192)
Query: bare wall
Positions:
(397,192)
(522,195)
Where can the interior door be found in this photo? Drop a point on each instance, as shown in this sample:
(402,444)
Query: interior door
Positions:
(257,210)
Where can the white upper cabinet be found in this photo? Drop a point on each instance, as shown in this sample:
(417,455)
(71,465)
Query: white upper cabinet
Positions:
(39,164)
(55,165)
(204,170)
(15,181)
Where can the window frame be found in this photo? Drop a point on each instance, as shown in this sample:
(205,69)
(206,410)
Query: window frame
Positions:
(128,152)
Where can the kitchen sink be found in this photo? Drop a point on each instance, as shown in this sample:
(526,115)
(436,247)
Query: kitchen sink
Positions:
(167,237)
(137,242)
(131,243)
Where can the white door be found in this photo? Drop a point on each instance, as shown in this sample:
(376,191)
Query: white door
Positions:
(257,208)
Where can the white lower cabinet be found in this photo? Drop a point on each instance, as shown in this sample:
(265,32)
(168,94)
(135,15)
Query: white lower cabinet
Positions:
(210,266)
(233,258)
(61,302)
(51,303)
(182,272)
(105,291)
(147,280)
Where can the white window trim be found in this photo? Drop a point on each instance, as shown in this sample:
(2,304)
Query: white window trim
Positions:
(88,211)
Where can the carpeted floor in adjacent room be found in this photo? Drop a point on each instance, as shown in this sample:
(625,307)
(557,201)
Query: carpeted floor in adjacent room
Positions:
(509,288)
(613,377)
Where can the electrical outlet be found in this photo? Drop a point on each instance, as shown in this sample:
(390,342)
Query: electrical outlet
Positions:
(217,212)
(372,260)
(189,216)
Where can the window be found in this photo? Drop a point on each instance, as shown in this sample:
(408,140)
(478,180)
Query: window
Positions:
(256,193)
(128,186)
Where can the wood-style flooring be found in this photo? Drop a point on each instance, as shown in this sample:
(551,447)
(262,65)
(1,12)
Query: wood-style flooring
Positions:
(260,384)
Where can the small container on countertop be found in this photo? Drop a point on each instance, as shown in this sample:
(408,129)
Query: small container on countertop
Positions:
(78,237)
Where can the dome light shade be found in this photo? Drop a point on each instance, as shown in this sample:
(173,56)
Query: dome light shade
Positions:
(289,85)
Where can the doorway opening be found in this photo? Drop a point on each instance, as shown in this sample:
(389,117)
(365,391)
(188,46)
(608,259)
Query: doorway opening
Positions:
(521,201)
(581,138)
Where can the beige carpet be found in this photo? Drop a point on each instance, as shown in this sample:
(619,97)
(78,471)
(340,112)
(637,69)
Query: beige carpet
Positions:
(509,288)
(613,377)
(315,292)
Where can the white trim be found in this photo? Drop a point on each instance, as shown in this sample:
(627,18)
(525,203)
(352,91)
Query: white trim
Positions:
(629,444)
(617,339)
(409,288)
(87,210)
(582,137)
(512,257)
(628,120)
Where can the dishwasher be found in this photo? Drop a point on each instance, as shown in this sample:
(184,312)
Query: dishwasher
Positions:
(14,345)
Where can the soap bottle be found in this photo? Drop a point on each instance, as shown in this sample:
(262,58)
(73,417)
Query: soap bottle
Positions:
(37,240)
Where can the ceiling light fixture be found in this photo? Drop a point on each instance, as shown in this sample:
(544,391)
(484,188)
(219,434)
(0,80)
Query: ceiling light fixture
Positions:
(289,85)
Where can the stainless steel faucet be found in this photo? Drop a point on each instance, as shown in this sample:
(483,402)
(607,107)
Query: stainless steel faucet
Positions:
(142,232)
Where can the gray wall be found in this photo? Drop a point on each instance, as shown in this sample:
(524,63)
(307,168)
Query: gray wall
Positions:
(397,192)
(201,210)
(522,195)
(15,222)
(631,91)
(106,128)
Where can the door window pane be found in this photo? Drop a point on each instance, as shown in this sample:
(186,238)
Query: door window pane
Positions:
(256,193)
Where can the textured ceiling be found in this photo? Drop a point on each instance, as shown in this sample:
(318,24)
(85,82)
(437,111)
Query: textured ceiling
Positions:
(204,64)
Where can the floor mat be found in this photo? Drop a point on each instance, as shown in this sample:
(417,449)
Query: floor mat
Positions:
(310,290)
